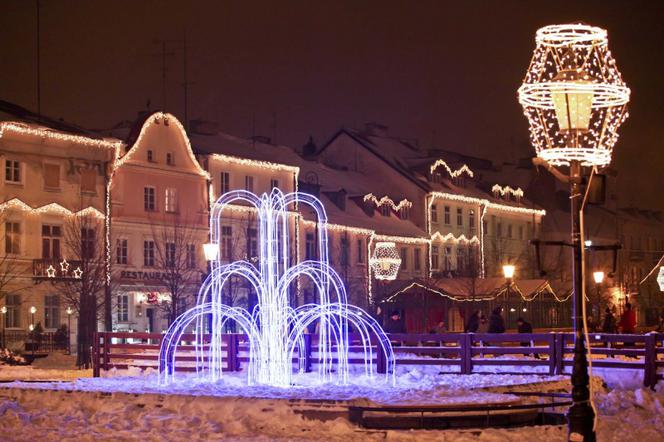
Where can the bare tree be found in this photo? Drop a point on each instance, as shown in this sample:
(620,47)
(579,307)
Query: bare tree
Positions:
(176,254)
(83,289)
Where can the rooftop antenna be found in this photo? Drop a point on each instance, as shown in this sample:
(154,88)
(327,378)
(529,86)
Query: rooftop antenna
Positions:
(164,54)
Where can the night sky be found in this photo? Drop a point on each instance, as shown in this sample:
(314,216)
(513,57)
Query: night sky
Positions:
(442,72)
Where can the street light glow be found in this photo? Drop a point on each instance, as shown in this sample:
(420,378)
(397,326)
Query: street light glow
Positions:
(508,271)
(598,276)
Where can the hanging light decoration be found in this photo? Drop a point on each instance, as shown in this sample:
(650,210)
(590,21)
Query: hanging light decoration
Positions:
(385,261)
(573,96)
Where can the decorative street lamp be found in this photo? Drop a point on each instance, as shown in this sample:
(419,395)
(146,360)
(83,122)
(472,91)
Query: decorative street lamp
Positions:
(508,273)
(598,277)
(33,310)
(575,100)
(385,261)
(211,251)
(3,310)
(69,312)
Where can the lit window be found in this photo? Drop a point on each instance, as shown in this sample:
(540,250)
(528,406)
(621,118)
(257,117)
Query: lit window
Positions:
(191,256)
(171,202)
(434,213)
(459,216)
(123,308)
(226,241)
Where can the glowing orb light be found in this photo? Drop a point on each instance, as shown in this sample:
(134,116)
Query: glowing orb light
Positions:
(385,261)
(275,330)
(573,96)
(660,279)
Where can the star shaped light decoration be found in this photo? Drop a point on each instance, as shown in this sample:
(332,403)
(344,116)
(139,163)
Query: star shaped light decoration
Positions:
(64,265)
(660,278)
(50,271)
(78,273)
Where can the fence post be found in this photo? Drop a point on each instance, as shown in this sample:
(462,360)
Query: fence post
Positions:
(560,353)
(466,353)
(650,360)
(107,351)
(233,350)
(552,353)
(307,353)
(95,355)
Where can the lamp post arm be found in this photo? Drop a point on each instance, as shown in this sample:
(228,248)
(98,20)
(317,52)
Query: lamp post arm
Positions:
(537,161)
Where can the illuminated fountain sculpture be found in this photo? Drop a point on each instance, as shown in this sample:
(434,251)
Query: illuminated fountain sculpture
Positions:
(275,330)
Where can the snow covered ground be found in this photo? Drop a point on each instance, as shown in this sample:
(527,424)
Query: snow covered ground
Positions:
(194,411)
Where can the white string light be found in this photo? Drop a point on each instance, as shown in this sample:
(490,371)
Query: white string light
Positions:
(452,173)
(56,208)
(255,163)
(385,261)
(386,200)
(24,129)
(455,239)
(498,189)
(489,204)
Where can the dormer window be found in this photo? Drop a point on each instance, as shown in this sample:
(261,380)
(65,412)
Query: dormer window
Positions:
(404,213)
(385,210)
(150,156)
(436,177)
(459,181)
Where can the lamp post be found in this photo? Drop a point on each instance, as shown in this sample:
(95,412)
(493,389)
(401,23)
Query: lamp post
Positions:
(508,273)
(575,100)
(598,277)
(69,312)
(3,310)
(385,263)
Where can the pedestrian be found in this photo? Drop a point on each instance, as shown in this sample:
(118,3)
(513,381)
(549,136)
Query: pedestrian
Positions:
(609,324)
(524,326)
(394,323)
(660,323)
(473,322)
(496,321)
(628,320)
(440,328)
(484,325)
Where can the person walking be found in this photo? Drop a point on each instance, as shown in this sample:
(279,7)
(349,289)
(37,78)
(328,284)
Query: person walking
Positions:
(660,323)
(394,324)
(524,326)
(473,322)
(628,320)
(496,321)
(609,324)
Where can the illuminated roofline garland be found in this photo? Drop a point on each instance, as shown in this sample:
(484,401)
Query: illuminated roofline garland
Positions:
(489,204)
(16,203)
(255,163)
(497,188)
(386,200)
(453,174)
(454,239)
(24,129)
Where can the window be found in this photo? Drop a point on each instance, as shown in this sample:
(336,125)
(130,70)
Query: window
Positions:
(448,259)
(404,258)
(88,181)
(385,210)
(170,254)
(434,213)
(404,213)
(360,251)
(434,258)
(252,243)
(249,183)
(148,253)
(459,216)
(343,257)
(121,251)
(225,182)
(509,231)
(51,311)
(274,184)
(88,237)
(416,259)
(485,227)
(309,247)
(170,159)
(123,307)
(148,199)
(499,230)
(191,256)
(150,156)
(52,176)
(171,203)
(12,171)
(461,259)
(13,315)
(446,216)
(520,232)
(51,236)
(13,238)
(471,219)
(226,241)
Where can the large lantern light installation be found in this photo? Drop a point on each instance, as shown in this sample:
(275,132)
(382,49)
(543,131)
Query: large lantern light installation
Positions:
(575,100)
(275,330)
(385,261)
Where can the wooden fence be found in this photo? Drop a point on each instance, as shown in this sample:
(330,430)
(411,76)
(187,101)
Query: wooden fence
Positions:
(462,353)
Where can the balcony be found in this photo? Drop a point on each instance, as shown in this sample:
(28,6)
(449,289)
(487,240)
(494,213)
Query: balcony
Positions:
(58,269)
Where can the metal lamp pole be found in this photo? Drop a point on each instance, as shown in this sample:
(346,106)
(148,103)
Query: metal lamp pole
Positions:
(3,310)
(69,312)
